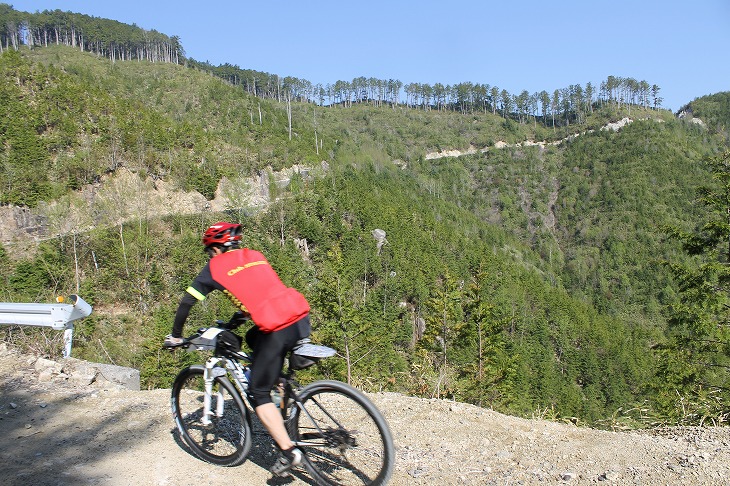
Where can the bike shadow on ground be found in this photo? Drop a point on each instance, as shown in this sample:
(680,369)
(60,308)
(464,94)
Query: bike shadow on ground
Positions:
(263,453)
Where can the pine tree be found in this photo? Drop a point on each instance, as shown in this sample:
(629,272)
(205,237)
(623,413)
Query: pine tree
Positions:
(694,378)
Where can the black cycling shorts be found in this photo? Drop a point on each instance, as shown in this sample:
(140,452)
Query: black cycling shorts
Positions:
(269,350)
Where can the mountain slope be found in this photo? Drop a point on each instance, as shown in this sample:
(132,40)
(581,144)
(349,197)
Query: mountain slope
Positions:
(521,278)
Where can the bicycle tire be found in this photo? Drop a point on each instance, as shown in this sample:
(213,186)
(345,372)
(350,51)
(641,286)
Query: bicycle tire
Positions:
(351,442)
(226,441)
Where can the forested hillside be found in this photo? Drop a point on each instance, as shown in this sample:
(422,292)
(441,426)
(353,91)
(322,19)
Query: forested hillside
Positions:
(531,278)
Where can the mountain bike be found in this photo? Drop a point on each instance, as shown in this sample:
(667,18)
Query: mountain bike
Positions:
(343,436)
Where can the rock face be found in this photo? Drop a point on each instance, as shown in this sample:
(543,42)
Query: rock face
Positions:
(18,223)
(81,431)
(124,195)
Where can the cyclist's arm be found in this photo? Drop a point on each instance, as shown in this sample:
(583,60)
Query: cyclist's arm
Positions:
(201,286)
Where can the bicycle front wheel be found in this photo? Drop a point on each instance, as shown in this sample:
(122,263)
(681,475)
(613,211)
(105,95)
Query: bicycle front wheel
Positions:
(344,437)
(222,438)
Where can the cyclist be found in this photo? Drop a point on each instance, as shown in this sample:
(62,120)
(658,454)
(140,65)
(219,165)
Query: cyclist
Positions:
(280,315)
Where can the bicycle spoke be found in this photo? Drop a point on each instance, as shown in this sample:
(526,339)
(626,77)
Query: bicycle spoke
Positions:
(344,441)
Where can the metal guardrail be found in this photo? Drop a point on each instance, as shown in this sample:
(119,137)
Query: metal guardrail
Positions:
(58,316)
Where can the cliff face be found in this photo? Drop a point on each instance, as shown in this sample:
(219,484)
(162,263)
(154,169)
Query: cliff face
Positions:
(124,196)
(18,224)
(57,431)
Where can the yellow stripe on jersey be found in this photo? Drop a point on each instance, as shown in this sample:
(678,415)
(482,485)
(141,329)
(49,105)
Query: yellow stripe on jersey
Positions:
(195,293)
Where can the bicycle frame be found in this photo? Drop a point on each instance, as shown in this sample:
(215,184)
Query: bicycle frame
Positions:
(237,371)
(301,408)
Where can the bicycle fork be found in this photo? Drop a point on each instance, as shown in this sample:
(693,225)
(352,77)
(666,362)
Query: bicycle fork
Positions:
(210,374)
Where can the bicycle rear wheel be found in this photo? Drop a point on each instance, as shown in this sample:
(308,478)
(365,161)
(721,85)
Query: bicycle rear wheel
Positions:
(226,439)
(344,437)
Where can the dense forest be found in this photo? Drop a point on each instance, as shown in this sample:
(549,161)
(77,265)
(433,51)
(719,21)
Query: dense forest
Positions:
(105,37)
(578,278)
(118,41)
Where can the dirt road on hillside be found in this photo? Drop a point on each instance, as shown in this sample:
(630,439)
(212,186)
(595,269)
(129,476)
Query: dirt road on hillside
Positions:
(56,432)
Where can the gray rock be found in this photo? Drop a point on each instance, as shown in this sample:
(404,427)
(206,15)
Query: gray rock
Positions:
(46,375)
(568,476)
(610,475)
(102,374)
(42,364)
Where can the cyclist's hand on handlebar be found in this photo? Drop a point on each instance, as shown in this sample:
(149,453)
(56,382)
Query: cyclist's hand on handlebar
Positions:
(171,342)
(238,318)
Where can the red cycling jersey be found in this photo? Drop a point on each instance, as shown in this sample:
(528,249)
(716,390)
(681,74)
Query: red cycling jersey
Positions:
(253,285)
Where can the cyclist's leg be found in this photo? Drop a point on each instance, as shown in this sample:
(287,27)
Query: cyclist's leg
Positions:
(252,338)
(268,359)
(269,350)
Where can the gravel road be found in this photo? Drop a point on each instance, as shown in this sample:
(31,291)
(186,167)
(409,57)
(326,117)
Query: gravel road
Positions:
(56,431)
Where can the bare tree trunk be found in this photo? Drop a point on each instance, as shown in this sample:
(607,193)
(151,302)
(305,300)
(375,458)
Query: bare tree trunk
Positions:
(76,265)
(124,249)
(438,385)
(288,112)
(348,360)
(12,33)
(314,120)
(444,329)
(481,352)
(282,239)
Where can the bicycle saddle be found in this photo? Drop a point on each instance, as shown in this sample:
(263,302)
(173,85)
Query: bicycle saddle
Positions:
(304,347)
(305,354)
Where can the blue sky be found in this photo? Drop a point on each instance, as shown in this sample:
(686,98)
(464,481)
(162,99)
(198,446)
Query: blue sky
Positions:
(680,45)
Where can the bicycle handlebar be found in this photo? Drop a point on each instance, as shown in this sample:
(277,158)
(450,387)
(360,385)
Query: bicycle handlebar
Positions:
(237,320)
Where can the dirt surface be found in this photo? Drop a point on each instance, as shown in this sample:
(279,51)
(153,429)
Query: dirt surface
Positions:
(61,431)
